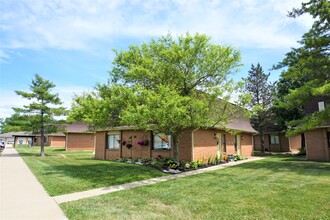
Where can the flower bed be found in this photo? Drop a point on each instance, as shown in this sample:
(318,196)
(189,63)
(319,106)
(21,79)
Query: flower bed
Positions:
(170,166)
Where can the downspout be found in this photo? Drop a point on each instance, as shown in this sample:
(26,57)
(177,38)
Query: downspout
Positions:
(193,144)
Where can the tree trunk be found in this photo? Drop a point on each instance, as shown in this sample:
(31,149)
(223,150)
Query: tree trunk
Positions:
(42,132)
(262,140)
(175,148)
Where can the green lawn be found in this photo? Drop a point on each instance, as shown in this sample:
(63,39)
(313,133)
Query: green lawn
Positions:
(62,172)
(273,188)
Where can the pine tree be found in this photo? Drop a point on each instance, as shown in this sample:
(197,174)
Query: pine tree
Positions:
(309,66)
(262,92)
(39,110)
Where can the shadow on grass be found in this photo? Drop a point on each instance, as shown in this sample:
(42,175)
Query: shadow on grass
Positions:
(285,163)
(104,174)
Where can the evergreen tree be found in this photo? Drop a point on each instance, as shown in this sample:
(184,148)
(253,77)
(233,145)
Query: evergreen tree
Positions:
(262,93)
(39,111)
(309,66)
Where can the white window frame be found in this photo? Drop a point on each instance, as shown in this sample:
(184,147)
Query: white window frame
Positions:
(112,141)
(163,143)
(274,139)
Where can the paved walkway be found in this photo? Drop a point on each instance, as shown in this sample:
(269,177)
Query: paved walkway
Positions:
(21,195)
(105,190)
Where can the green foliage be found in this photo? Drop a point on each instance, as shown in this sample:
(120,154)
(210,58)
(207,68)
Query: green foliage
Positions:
(238,157)
(40,111)
(262,94)
(308,67)
(167,85)
(147,161)
(302,152)
(193,165)
(217,159)
(201,162)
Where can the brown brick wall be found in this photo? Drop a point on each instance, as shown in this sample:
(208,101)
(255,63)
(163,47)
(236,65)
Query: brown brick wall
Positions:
(111,154)
(295,142)
(205,145)
(185,145)
(38,142)
(100,145)
(316,145)
(137,151)
(80,141)
(283,146)
(56,141)
(163,153)
(246,145)
(284,143)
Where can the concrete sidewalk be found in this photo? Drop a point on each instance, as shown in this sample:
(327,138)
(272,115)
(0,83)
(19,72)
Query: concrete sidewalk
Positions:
(21,195)
(110,189)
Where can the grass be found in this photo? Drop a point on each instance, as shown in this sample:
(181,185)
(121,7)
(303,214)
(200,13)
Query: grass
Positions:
(63,172)
(279,187)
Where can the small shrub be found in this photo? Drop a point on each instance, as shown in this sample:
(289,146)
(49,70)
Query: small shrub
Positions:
(209,161)
(158,164)
(302,151)
(146,161)
(182,165)
(238,157)
(217,159)
(193,165)
(200,163)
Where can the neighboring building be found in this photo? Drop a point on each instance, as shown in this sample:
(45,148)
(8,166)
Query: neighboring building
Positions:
(7,138)
(78,137)
(194,144)
(52,140)
(23,137)
(273,142)
(316,141)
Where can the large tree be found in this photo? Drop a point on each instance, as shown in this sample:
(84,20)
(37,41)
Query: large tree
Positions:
(262,93)
(16,122)
(309,65)
(41,110)
(166,86)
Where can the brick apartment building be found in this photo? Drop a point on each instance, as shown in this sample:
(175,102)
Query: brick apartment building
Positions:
(194,144)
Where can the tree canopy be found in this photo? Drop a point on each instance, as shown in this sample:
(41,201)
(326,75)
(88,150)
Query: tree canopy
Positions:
(41,110)
(262,93)
(166,86)
(308,66)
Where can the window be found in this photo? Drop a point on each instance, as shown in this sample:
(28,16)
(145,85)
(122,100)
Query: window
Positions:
(328,136)
(113,141)
(321,106)
(274,139)
(224,142)
(162,141)
(235,142)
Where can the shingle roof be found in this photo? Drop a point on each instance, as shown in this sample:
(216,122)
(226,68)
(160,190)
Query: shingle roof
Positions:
(241,124)
(77,127)
(7,135)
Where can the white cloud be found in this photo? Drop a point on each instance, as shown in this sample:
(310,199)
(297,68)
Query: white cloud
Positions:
(78,24)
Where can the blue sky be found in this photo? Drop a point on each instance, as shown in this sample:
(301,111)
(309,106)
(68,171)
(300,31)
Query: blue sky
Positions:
(70,42)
